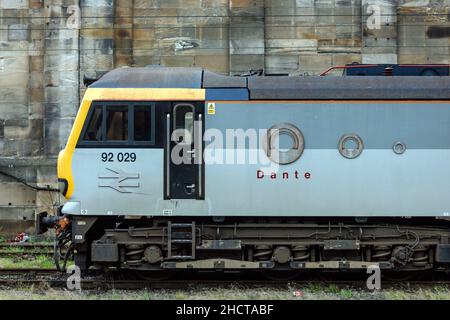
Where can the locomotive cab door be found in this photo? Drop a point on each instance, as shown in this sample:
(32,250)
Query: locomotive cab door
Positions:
(184,152)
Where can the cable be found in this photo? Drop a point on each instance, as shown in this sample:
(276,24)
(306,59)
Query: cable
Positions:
(27,184)
(60,241)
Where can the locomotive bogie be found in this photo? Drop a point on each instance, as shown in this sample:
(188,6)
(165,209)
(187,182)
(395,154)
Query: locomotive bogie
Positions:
(271,244)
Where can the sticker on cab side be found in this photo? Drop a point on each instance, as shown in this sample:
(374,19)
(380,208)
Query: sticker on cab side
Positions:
(211,108)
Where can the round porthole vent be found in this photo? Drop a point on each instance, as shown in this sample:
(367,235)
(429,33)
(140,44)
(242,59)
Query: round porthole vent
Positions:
(350,146)
(399,147)
(284,143)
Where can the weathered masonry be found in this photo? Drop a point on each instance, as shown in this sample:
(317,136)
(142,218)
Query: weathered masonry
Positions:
(47,46)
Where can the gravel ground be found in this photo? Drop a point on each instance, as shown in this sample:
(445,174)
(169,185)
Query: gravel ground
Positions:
(290,292)
(311,292)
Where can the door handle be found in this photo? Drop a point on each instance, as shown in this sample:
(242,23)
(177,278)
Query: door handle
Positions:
(168,156)
(191,152)
(200,166)
(189,189)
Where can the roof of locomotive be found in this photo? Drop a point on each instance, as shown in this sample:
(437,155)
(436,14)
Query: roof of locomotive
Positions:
(279,87)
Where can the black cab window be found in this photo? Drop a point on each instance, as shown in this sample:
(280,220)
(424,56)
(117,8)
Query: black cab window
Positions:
(94,130)
(124,123)
(142,123)
(117,123)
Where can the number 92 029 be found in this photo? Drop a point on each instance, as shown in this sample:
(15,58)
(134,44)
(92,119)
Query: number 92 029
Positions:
(119,157)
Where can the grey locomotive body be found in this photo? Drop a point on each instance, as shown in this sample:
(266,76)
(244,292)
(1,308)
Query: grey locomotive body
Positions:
(177,168)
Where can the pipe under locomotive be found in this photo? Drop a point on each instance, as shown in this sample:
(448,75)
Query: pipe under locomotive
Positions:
(181,168)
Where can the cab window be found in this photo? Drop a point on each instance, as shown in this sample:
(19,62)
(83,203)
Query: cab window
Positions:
(117,123)
(112,124)
(142,123)
(94,129)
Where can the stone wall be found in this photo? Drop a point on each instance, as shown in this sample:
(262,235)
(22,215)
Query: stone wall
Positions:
(47,46)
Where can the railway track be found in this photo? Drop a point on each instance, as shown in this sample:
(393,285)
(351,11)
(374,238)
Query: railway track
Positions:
(25,249)
(27,271)
(46,278)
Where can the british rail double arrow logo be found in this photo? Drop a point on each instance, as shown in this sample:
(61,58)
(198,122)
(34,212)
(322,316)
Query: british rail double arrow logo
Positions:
(119,180)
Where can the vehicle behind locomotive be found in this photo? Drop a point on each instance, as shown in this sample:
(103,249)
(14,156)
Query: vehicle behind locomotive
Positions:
(181,168)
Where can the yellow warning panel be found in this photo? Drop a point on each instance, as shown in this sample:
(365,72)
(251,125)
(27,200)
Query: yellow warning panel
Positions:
(211,108)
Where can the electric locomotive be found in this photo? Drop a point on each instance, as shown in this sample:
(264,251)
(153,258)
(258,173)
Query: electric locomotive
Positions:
(182,168)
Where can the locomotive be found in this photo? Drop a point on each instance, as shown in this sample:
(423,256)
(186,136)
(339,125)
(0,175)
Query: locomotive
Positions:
(181,168)
(357,69)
